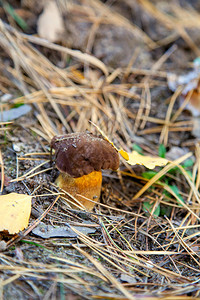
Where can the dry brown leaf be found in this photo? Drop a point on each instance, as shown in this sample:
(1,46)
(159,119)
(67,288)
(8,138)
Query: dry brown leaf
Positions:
(50,24)
(15,212)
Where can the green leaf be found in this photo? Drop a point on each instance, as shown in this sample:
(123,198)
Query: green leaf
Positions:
(174,171)
(165,210)
(189,173)
(16,105)
(137,148)
(175,189)
(166,180)
(35,244)
(162,151)
(147,208)
(188,163)
(149,174)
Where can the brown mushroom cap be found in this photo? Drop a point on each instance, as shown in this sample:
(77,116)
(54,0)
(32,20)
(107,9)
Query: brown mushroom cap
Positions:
(79,154)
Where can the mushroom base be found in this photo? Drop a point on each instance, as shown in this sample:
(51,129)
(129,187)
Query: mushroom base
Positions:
(87,186)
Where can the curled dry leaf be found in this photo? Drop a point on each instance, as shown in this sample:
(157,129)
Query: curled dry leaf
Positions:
(15,212)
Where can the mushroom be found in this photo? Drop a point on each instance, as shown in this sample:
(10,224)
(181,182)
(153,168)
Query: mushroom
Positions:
(80,157)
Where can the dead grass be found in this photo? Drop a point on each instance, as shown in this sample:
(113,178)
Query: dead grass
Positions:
(161,254)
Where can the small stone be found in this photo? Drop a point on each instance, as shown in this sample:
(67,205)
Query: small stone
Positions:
(16,147)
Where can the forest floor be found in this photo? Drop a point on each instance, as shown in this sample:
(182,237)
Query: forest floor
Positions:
(132,68)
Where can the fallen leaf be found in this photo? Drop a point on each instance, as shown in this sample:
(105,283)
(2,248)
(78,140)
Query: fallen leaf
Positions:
(50,23)
(134,157)
(15,113)
(147,161)
(48,231)
(15,212)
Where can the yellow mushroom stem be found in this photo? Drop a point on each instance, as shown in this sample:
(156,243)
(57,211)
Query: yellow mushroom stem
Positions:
(81,188)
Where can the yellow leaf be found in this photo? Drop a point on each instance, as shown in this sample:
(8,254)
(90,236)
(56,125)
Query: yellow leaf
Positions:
(147,161)
(15,210)
(134,157)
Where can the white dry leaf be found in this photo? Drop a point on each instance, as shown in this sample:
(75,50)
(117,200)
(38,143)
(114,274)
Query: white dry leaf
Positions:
(50,23)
